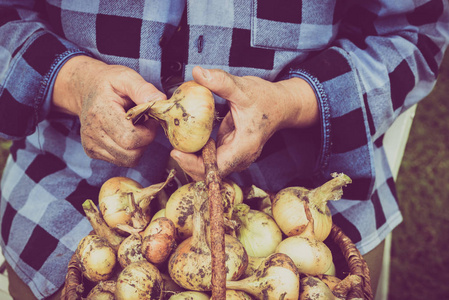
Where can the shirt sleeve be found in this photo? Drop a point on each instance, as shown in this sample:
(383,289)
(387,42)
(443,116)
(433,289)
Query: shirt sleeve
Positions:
(31,54)
(385,60)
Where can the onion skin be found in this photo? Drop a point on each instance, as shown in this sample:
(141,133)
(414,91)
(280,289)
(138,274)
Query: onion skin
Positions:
(288,207)
(138,281)
(104,290)
(310,256)
(97,258)
(258,232)
(130,250)
(113,202)
(190,295)
(237,295)
(160,225)
(276,278)
(156,248)
(187,117)
(191,266)
(313,288)
(179,208)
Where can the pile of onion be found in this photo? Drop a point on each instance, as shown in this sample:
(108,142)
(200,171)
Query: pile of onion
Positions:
(273,246)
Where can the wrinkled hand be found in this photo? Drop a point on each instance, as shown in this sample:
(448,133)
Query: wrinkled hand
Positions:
(100,94)
(258,108)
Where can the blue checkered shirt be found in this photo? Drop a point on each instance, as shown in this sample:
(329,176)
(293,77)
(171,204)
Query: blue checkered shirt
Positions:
(368,61)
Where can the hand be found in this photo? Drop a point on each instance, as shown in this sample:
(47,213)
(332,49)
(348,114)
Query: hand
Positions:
(258,108)
(100,94)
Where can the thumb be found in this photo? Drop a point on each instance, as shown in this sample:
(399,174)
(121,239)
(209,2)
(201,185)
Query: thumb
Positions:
(218,81)
(138,89)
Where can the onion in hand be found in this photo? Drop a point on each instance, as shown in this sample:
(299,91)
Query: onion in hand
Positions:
(187,117)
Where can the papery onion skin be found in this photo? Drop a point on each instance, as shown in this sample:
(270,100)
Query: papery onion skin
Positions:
(258,232)
(130,251)
(156,248)
(190,266)
(139,281)
(276,278)
(288,211)
(179,208)
(104,290)
(313,288)
(97,258)
(187,117)
(190,295)
(310,256)
(237,295)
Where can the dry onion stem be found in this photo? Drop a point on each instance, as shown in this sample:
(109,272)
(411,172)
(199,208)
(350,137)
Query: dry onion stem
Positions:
(217,232)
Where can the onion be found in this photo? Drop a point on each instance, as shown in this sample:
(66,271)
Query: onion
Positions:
(237,295)
(276,278)
(258,199)
(161,225)
(313,288)
(187,117)
(180,209)
(97,258)
(104,290)
(253,265)
(99,225)
(138,281)
(170,287)
(157,247)
(190,295)
(124,201)
(288,207)
(330,280)
(158,214)
(130,250)
(190,264)
(311,257)
(258,232)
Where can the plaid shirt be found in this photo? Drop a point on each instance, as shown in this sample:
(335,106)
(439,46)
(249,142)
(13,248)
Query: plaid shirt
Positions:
(368,61)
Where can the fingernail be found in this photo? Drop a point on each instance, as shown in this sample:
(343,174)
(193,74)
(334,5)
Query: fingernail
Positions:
(206,73)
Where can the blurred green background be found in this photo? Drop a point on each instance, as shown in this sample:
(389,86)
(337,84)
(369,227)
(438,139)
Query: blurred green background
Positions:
(419,247)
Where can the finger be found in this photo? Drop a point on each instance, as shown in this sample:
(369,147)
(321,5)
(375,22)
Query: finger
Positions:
(219,82)
(100,146)
(136,88)
(192,164)
(124,133)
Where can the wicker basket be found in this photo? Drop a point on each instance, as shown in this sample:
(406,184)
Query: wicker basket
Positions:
(360,288)
(75,285)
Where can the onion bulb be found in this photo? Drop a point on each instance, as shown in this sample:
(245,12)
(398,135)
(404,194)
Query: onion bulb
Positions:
(313,288)
(187,117)
(97,258)
(276,278)
(104,290)
(311,257)
(130,250)
(180,209)
(258,232)
(123,200)
(237,295)
(138,281)
(190,264)
(288,207)
(190,295)
(253,265)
